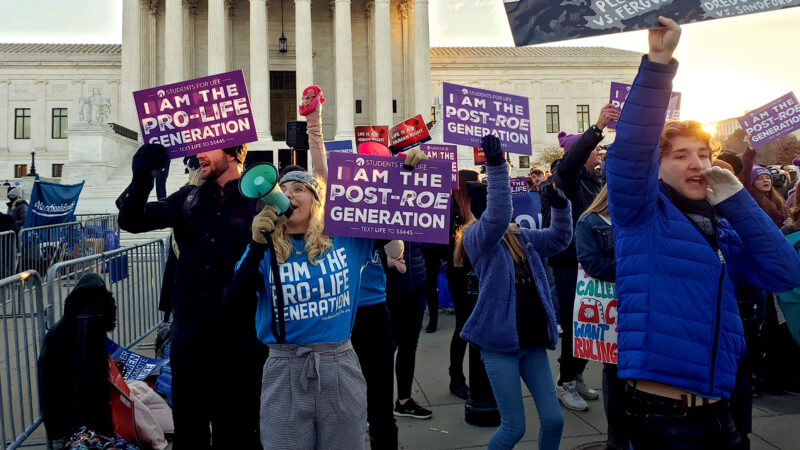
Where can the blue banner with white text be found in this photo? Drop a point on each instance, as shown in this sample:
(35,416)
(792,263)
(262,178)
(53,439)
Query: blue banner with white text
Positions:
(52,203)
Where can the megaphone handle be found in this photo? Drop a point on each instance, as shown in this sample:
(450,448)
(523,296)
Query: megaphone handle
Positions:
(278,321)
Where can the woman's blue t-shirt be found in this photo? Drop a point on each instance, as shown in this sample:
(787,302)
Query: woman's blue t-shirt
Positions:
(320,300)
(373,282)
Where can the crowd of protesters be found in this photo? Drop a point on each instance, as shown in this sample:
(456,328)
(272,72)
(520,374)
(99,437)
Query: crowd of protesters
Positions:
(691,238)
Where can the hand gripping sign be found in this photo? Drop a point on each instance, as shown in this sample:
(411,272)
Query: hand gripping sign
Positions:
(374,197)
(197,115)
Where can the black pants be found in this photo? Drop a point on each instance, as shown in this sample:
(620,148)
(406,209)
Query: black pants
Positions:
(657,423)
(200,398)
(566,280)
(406,309)
(372,341)
(614,406)
(432,265)
(457,284)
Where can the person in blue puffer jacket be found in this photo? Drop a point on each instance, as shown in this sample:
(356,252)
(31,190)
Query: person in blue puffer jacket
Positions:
(685,235)
(513,322)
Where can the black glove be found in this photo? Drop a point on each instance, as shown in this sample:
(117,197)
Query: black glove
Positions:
(555,198)
(492,150)
(148,158)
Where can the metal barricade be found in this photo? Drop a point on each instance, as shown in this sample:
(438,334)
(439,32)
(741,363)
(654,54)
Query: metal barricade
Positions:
(103,221)
(100,234)
(41,247)
(132,274)
(22,331)
(8,254)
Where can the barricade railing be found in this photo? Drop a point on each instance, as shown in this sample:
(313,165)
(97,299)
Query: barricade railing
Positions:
(22,331)
(8,254)
(38,248)
(133,274)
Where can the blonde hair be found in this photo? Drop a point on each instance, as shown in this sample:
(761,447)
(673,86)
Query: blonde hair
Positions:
(316,243)
(509,239)
(599,204)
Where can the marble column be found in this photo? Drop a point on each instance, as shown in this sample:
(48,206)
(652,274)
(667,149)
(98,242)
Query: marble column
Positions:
(174,44)
(304,56)
(258,83)
(343,60)
(152,43)
(189,20)
(382,64)
(422,61)
(131,64)
(217,37)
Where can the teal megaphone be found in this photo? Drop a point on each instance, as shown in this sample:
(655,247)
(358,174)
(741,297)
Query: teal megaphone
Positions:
(261,181)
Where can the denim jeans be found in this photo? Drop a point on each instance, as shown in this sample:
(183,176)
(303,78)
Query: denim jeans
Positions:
(614,406)
(505,370)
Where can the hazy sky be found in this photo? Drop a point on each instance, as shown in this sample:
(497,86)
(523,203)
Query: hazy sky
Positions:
(727,66)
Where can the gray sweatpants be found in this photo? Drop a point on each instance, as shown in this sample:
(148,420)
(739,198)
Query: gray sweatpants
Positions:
(313,397)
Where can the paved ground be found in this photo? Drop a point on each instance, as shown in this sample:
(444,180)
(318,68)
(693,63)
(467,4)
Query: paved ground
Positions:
(776,419)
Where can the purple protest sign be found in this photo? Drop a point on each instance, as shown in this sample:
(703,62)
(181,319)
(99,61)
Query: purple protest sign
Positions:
(446,153)
(518,185)
(773,120)
(197,115)
(619,93)
(471,113)
(374,197)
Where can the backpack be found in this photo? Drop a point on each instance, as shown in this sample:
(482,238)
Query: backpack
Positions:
(789,302)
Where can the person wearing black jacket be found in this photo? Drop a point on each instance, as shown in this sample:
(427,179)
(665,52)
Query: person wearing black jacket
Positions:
(577,177)
(212,228)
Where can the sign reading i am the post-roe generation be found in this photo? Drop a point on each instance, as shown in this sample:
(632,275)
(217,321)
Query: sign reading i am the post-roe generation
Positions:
(197,115)
(472,113)
(374,197)
(771,121)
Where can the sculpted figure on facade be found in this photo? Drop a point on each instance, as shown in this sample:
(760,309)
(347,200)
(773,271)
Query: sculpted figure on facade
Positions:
(94,109)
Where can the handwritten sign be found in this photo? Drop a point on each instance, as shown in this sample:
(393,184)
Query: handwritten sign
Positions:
(373,196)
(377,133)
(594,320)
(446,153)
(198,115)
(471,113)
(408,133)
(771,121)
(538,21)
(620,91)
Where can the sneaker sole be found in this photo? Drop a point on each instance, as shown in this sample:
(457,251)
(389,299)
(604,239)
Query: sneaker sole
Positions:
(596,396)
(572,407)
(399,414)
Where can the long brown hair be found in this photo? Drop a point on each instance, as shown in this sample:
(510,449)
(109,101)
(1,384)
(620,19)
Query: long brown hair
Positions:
(460,196)
(599,204)
(771,201)
(794,212)
(509,239)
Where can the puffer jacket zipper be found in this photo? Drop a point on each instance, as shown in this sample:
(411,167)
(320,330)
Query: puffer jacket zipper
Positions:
(718,311)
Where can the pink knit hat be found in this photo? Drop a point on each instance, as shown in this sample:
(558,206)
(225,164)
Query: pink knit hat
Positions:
(566,141)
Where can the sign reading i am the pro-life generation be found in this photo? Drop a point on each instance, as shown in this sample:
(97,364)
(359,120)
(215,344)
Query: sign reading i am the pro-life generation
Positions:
(443,152)
(619,93)
(374,197)
(771,121)
(197,115)
(472,113)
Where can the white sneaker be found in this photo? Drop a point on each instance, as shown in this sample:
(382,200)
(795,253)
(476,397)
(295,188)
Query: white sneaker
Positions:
(584,390)
(569,397)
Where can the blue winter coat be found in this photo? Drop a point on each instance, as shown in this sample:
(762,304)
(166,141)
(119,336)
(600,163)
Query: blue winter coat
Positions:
(493,323)
(678,318)
(594,242)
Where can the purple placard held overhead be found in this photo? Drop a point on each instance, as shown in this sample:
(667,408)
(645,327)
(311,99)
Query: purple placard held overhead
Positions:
(471,113)
(518,185)
(773,120)
(374,197)
(619,92)
(446,153)
(197,115)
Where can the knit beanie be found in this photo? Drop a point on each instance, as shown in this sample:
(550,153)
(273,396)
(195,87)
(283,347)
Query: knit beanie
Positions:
(566,141)
(237,151)
(757,172)
(16,192)
(302,177)
(90,280)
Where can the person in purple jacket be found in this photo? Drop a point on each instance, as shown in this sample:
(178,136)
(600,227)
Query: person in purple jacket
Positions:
(513,322)
(686,235)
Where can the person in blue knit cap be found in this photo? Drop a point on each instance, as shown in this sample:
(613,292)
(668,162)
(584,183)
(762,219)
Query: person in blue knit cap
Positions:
(686,234)
(513,322)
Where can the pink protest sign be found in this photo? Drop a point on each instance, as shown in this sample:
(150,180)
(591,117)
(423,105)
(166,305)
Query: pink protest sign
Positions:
(374,197)
(446,153)
(197,115)
(771,121)
(619,93)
